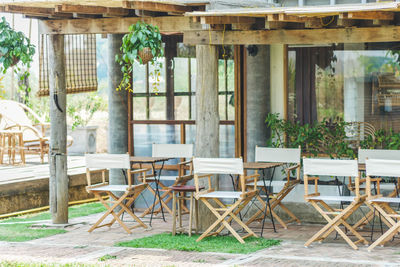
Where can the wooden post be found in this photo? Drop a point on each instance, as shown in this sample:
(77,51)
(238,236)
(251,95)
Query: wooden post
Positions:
(207,115)
(170,53)
(58,140)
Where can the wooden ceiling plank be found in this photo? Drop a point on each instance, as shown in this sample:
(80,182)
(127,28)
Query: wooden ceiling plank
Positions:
(227,20)
(28,10)
(291,18)
(310,36)
(156,6)
(95,10)
(37,12)
(378,15)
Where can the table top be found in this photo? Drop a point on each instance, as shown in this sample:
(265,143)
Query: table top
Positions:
(135,159)
(261,165)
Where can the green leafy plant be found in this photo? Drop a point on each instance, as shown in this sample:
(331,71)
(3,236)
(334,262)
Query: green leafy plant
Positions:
(382,140)
(82,109)
(14,47)
(141,37)
(325,137)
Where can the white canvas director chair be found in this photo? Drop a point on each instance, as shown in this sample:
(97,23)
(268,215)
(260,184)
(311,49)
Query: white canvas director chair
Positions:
(180,151)
(213,200)
(383,168)
(363,155)
(286,156)
(313,169)
(129,192)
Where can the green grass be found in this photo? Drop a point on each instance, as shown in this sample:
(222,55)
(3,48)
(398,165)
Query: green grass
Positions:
(24,232)
(227,244)
(107,257)
(73,212)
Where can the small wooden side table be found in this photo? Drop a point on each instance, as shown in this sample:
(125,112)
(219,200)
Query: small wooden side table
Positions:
(179,196)
(12,142)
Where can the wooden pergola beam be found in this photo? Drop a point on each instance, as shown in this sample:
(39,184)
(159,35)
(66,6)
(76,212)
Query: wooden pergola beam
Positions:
(304,36)
(95,10)
(115,25)
(156,6)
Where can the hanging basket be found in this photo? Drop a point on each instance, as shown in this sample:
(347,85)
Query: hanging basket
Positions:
(15,61)
(145,54)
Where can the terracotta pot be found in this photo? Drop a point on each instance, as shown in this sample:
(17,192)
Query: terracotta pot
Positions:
(145,54)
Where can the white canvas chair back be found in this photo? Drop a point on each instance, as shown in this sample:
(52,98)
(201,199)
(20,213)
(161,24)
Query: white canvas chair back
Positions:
(271,154)
(14,114)
(218,166)
(172,150)
(107,161)
(364,154)
(330,167)
(382,167)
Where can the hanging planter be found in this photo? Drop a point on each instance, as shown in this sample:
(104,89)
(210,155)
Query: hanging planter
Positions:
(145,55)
(14,47)
(143,43)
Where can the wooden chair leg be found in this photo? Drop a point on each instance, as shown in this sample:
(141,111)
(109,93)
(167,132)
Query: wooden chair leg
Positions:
(173,213)
(190,213)
(180,209)
(387,235)
(196,202)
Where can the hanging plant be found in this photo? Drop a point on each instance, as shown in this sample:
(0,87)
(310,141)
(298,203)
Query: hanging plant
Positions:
(143,43)
(14,47)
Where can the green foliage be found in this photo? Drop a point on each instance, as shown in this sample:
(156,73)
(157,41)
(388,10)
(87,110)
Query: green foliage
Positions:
(225,244)
(141,35)
(81,108)
(326,137)
(382,140)
(107,257)
(20,231)
(14,47)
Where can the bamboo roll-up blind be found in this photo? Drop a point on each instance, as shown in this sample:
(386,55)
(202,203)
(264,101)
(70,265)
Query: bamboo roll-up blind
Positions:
(80,64)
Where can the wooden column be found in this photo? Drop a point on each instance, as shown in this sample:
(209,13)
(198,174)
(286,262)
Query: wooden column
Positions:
(170,53)
(240,100)
(207,116)
(58,140)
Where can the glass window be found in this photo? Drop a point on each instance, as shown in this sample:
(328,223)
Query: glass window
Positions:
(354,82)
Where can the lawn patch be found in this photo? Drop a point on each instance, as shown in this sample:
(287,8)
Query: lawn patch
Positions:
(20,232)
(227,244)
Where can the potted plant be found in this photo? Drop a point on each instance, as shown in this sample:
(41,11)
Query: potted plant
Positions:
(143,43)
(80,111)
(14,47)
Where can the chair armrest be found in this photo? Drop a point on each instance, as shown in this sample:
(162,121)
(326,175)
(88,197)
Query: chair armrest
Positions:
(185,162)
(185,178)
(293,167)
(23,127)
(139,171)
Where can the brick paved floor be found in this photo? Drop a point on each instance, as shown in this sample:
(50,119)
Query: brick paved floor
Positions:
(77,245)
